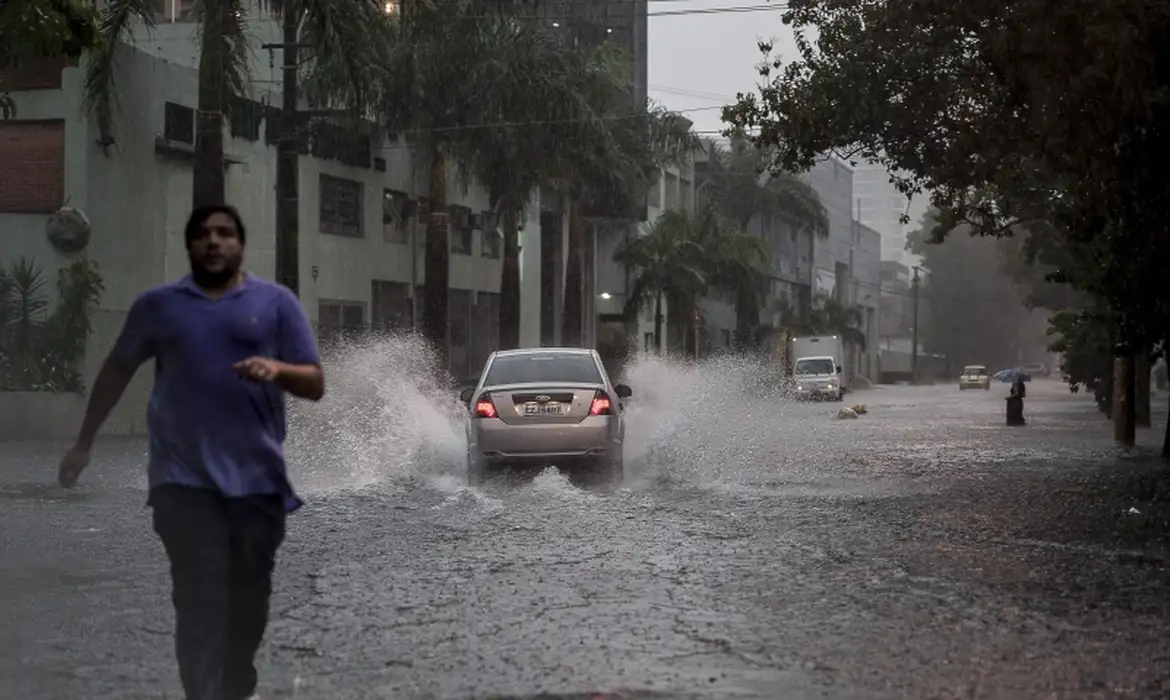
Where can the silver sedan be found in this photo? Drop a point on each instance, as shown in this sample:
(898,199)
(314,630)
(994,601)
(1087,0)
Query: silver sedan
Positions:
(545,406)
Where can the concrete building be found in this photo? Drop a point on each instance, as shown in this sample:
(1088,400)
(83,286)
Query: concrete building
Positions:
(358,222)
(880,206)
(674,189)
(897,300)
(846,263)
(362,206)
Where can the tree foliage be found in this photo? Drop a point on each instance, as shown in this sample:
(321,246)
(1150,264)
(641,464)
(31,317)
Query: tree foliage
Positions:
(1005,112)
(33,30)
(680,259)
(972,309)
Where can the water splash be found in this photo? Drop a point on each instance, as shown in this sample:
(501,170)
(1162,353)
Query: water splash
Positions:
(388,416)
(391,418)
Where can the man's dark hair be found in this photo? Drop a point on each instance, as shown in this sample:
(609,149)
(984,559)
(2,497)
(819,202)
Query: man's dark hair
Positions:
(202,214)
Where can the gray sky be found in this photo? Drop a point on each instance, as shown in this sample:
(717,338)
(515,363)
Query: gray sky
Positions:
(699,61)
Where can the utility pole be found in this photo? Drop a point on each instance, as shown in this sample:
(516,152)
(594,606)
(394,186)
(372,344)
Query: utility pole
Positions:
(288,256)
(914,331)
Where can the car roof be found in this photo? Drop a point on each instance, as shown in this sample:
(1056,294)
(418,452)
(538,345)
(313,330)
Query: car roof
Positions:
(543,351)
(973,366)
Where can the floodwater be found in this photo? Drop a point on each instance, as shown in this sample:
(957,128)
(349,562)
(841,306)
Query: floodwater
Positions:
(758,549)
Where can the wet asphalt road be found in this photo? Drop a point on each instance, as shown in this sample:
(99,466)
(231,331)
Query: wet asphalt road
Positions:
(761,550)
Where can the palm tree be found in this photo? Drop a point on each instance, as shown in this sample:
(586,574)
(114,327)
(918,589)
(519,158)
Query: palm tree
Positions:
(345,38)
(665,262)
(680,258)
(741,190)
(611,174)
(547,114)
(456,102)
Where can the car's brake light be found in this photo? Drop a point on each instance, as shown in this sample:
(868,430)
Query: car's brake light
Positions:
(484,408)
(601,406)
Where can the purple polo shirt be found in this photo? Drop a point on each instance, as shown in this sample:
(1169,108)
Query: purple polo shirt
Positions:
(209,427)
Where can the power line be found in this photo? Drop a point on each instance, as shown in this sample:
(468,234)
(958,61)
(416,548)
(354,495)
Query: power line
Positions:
(732,9)
(533,122)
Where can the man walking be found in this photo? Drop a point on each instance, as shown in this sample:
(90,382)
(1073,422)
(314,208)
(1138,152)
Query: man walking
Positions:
(227,346)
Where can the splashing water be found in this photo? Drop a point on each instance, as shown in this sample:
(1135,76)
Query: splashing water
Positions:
(387,416)
(701,422)
(390,417)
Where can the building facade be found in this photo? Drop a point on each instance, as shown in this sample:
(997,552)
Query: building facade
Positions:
(846,262)
(362,211)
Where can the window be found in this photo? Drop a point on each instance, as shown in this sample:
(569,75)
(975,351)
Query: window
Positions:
(820,365)
(393,222)
(32,166)
(492,242)
(461,241)
(391,307)
(543,367)
(178,123)
(461,230)
(336,319)
(340,207)
(175,11)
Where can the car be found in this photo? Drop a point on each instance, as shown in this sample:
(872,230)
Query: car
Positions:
(546,406)
(974,377)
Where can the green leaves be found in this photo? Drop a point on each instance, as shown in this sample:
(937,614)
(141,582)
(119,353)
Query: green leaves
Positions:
(34,30)
(41,350)
(1007,113)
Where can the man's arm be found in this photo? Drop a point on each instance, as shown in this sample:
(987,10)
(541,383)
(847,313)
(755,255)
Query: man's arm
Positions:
(300,360)
(134,346)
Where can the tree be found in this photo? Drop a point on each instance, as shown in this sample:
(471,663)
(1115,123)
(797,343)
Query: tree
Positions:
(445,97)
(344,40)
(541,122)
(34,30)
(1007,113)
(738,183)
(973,311)
(607,177)
(680,258)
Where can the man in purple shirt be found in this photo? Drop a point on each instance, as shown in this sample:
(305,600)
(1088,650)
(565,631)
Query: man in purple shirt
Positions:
(227,346)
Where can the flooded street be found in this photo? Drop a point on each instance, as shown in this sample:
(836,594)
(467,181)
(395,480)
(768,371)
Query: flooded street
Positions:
(759,549)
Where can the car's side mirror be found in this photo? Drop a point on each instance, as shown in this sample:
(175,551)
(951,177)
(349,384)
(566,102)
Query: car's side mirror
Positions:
(623,391)
(838,369)
(466,394)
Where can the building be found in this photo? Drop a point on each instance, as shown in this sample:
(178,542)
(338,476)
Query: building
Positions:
(673,189)
(897,301)
(361,206)
(846,262)
(879,205)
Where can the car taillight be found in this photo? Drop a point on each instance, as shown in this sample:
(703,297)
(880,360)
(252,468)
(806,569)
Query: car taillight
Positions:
(601,406)
(484,408)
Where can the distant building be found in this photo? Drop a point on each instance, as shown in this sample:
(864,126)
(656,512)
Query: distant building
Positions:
(897,300)
(846,263)
(880,206)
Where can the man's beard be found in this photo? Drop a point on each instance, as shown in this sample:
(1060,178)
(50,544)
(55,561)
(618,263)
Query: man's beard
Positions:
(213,280)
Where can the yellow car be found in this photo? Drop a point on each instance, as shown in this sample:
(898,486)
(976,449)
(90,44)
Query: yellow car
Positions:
(974,377)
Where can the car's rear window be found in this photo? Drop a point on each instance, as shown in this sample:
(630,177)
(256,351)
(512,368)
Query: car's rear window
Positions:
(543,367)
(975,369)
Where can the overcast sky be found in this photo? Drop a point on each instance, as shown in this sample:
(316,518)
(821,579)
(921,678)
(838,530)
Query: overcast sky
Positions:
(697,62)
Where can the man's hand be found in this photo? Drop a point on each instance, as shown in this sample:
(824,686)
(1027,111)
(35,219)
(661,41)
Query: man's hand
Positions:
(259,369)
(72,464)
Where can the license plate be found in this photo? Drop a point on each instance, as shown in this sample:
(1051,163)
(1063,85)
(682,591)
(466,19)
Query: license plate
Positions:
(543,409)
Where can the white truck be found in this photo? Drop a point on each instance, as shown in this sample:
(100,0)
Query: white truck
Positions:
(816,367)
